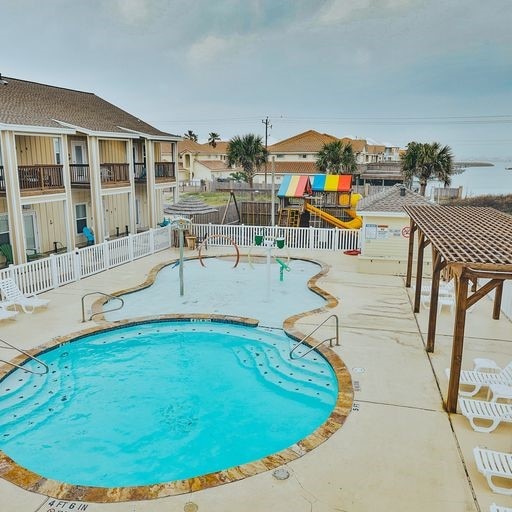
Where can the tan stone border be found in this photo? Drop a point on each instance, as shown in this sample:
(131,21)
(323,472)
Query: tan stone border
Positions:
(26,479)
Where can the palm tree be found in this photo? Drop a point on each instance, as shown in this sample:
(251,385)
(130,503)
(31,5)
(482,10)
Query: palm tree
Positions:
(190,135)
(213,138)
(335,157)
(427,162)
(249,153)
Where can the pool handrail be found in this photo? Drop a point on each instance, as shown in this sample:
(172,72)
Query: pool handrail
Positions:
(100,312)
(30,356)
(330,340)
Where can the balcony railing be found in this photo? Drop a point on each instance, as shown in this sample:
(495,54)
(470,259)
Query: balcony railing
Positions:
(79,174)
(165,171)
(140,171)
(2,179)
(115,174)
(40,178)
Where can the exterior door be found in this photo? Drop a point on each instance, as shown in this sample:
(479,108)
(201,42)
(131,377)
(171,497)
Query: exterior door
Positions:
(78,152)
(31,234)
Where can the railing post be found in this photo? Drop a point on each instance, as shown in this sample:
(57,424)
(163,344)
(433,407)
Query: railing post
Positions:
(77,264)
(54,271)
(130,247)
(310,237)
(151,241)
(106,254)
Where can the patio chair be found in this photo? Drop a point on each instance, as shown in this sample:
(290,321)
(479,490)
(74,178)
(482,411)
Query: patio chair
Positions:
(494,464)
(481,380)
(89,235)
(6,314)
(15,297)
(497,508)
(6,250)
(493,412)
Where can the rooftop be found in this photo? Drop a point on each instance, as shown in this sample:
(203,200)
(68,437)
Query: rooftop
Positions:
(391,200)
(33,104)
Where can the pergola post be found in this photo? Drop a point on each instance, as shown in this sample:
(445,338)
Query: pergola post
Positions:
(458,342)
(410,255)
(422,243)
(498,294)
(437,266)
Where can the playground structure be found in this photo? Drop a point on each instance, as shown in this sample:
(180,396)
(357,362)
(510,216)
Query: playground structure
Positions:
(311,194)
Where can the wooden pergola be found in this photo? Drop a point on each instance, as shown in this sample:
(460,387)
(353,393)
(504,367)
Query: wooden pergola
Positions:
(470,243)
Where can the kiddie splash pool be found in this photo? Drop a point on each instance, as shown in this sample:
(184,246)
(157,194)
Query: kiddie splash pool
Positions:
(160,401)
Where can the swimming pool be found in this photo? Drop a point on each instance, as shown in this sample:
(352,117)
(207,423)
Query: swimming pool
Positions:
(149,403)
(249,290)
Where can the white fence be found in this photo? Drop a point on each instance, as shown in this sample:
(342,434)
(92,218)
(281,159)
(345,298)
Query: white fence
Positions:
(295,238)
(59,269)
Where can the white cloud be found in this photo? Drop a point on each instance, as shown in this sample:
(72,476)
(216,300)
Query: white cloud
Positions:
(133,11)
(346,10)
(209,49)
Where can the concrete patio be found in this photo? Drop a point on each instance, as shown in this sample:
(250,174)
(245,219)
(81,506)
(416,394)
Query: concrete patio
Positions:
(398,450)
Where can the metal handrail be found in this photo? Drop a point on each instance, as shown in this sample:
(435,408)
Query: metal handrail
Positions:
(30,356)
(100,312)
(336,337)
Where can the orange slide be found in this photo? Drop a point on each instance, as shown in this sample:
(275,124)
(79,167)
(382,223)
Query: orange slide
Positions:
(355,223)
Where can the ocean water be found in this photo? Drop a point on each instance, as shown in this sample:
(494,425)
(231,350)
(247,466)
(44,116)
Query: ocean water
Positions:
(477,181)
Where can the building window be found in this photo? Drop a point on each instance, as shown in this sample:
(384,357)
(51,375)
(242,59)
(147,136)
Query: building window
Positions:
(57,150)
(4,228)
(81,217)
(279,156)
(303,156)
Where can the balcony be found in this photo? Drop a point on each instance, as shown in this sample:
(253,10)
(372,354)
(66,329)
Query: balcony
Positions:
(165,171)
(140,172)
(40,179)
(115,175)
(80,175)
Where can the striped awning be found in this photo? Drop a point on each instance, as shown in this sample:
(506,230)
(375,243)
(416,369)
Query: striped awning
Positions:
(294,186)
(331,182)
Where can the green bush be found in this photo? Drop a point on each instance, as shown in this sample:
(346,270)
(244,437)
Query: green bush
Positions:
(502,203)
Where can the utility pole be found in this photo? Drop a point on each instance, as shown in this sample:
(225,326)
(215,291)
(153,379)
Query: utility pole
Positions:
(267,124)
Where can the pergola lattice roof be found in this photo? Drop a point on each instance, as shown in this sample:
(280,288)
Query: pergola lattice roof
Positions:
(477,237)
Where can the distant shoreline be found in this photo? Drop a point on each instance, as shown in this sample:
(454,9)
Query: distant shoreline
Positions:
(474,164)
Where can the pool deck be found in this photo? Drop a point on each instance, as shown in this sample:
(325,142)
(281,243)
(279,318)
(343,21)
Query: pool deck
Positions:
(398,449)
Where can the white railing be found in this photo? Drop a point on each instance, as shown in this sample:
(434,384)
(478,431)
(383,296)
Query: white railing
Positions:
(295,238)
(59,269)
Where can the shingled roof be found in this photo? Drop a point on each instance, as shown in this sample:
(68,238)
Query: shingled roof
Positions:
(33,104)
(390,200)
(307,142)
(291,168)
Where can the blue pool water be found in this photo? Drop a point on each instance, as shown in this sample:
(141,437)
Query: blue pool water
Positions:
(254,291)
(161,401)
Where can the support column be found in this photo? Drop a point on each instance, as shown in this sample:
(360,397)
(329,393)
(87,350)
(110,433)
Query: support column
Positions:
(437,266)
(458,343)
(93,149)
(150,164)
(498,294)
(13,197)
(131,196)
(69,210)
(175,157)
(422,243)
(410,254)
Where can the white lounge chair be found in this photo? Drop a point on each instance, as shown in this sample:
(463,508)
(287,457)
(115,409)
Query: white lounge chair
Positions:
(494,464)
(6,314)
(486,411)
(496,508)
(14,296)
(482,364)
(481,380)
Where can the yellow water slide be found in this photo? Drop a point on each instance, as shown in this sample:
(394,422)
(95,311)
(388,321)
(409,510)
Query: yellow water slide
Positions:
(356,221)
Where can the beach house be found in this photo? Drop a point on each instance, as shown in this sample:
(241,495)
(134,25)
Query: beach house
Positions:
(69,160)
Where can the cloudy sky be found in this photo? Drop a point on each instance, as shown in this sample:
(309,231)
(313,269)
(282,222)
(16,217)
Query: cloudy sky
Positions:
(390,71)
